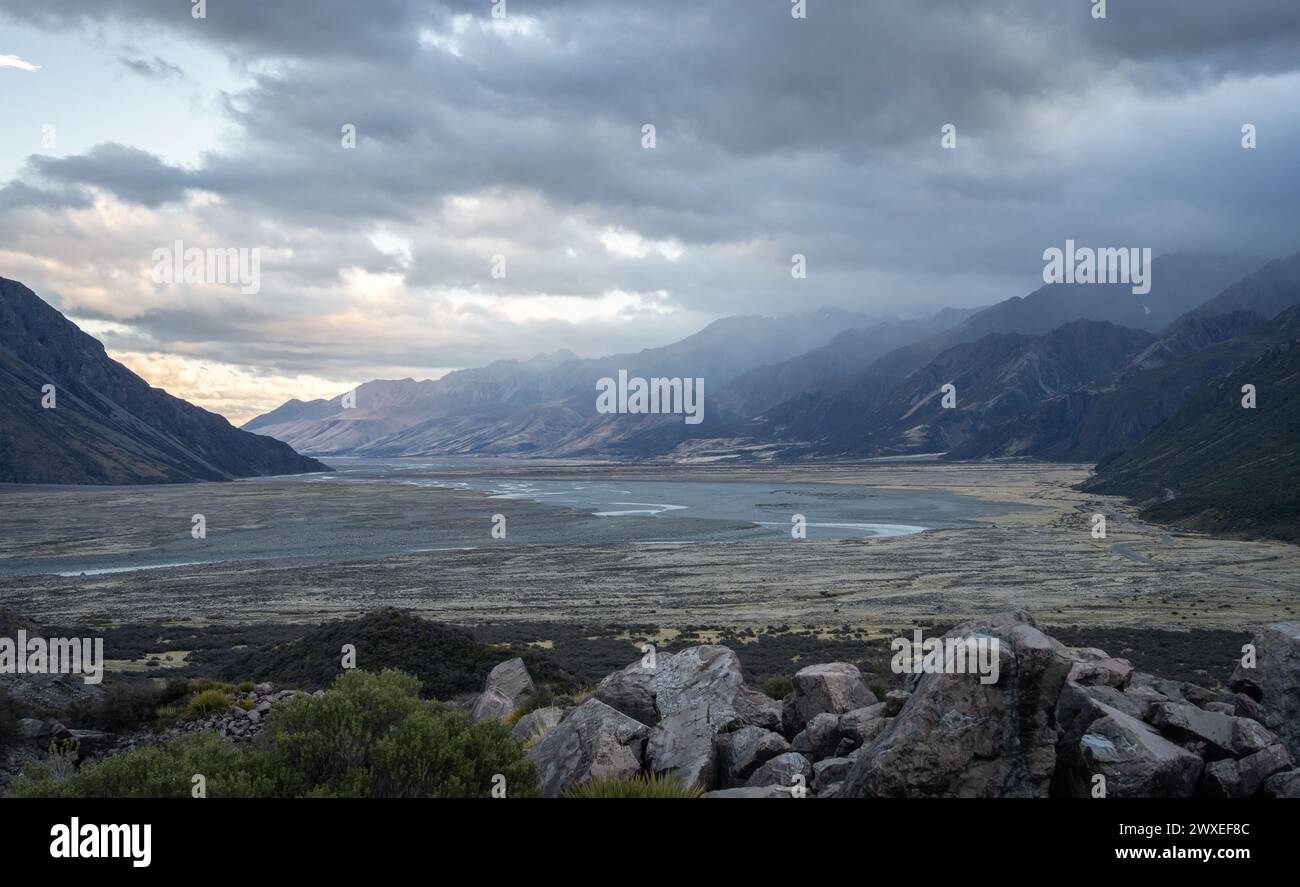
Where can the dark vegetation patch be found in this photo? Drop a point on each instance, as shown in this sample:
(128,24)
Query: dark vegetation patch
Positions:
(448,660)
(769,656)
(1203,656)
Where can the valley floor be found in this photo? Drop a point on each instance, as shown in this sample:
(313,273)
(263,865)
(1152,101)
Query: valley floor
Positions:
(1034,550)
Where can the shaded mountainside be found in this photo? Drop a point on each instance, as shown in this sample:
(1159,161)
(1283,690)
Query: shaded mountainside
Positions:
(1114,411)
(1000,375)
(108,426)
(1180,283)
(852,350)
(1217,466)
(1268,292)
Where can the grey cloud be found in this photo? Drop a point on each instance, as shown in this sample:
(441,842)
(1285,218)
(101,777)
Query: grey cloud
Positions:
(130,173)
(818,136)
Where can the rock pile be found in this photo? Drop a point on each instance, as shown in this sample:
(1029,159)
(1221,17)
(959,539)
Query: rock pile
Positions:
(1057,722)
(241,722)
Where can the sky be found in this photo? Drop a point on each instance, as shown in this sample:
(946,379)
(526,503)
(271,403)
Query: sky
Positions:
(132,124)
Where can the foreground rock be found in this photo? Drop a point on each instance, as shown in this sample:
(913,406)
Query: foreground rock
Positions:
(507,686)
(708,674)
(1274,682)
(688,699)
(1135,761)
(536,724)
(834,688)
(959,737)
(592,740)
(742,752)
(1051,721)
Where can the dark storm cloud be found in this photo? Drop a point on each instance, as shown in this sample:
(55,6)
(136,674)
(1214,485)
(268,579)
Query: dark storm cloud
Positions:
(818,136)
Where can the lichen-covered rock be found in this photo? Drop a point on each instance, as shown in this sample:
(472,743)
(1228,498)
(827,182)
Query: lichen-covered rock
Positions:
(833,687)
(689,698)
(745,750)
(1245,778)
(789,770)
(592,740)
(536,724)
(862,725)
(506,688)
(960,737)
(1135,760)
(1274,682)
(1219,734)
(820,738)
(708,674)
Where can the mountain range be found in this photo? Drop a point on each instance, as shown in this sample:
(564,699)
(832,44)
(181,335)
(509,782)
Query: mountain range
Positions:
(799,382)
(103,424)
(1075,373)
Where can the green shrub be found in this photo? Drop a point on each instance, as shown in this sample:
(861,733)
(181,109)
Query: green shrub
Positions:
(372,735)
(199,685)
(207,702)
(125,705)
(165,770)
(640,786)
(777,686)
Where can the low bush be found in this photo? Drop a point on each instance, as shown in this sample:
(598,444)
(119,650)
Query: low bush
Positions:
(126,705)
(640,786)
(370,735)
(776,686)
(207,702)
(165,770)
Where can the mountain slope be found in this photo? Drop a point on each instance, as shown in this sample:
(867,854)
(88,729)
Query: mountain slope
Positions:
(1217,466)
(1114,411)
(519,407)
(1179,283)
(1267,292)
(764,387)
(108,425)
(1000,375)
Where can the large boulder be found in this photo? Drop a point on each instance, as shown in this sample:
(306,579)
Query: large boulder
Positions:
(1274,682)
(860,726)
(831,688)
(960,737)
(1245,778)
(1283,785)
(744,751)
(689,698)
(1136,761)
(536,724)
(506,688)
(820,738)
(1213,733)
(708,674)
(592,740)
(830,771)
(1106,671)
(788,770)
(684,745)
